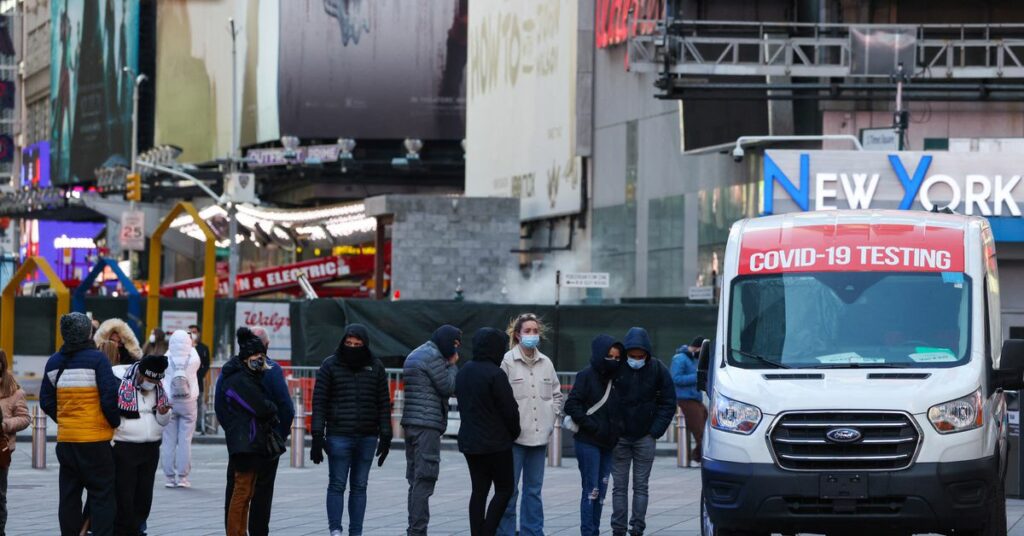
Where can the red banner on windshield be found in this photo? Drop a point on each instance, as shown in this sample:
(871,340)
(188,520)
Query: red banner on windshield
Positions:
(852,248)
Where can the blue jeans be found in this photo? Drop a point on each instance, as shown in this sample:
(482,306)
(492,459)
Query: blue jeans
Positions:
(528,463)
(348,458)
(595,467)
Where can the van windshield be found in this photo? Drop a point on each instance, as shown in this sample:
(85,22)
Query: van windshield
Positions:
(850,319)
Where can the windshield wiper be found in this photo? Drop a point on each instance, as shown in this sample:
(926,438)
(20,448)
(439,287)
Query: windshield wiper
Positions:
(760,358)
(856,365)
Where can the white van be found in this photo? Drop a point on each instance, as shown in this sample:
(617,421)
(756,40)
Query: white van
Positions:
(856,380)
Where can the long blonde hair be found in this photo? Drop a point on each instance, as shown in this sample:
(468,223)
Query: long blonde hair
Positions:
(517,324)
(8,385)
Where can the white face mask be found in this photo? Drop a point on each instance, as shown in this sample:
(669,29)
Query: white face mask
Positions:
(147,386)
(152,338)
(195,336)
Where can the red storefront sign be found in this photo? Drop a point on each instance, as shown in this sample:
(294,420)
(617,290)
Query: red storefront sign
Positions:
(279,278)
(612,20)
(852,248)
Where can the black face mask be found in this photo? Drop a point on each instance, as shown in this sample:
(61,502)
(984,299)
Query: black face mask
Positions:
(355,357)
(608,367)
(123,354)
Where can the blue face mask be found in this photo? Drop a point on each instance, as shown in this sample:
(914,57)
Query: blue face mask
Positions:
(530,341)
(636,364)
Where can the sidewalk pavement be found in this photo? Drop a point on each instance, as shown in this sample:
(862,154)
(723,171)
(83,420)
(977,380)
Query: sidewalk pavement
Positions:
(300,495)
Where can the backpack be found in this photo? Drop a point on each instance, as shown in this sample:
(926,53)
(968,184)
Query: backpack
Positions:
(181,388)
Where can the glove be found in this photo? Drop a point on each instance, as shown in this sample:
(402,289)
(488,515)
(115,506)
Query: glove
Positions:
(316,452)
(383,448)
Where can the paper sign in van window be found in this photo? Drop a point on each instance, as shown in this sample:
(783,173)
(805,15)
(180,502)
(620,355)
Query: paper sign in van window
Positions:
(852,248)
(846,358)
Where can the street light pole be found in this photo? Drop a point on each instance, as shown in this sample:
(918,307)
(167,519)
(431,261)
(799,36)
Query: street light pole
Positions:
(137,81)
(233,164)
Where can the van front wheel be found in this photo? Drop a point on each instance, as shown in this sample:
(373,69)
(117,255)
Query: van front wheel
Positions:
(996,525)
(708,528)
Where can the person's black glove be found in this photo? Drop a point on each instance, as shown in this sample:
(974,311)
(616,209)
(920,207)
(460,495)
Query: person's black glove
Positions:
(383,448)
(316,452)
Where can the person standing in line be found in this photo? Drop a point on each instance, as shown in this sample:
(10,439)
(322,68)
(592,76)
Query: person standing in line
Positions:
(689,399)
(204,368)
(182,386)
(79,392)
(593,406)
(488,425)
(115,339)
(429,375)
(15,418)
(157,343)
(647,405)
(539,395)
(145,410)
(275,389)
(352,403)
(249,420)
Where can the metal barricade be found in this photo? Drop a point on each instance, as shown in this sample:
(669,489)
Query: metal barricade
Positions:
(38,438)
(298,455)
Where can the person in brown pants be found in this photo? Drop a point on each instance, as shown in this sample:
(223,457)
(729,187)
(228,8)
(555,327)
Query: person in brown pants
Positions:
(688,398)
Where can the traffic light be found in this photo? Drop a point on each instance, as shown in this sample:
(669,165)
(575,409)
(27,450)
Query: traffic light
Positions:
(133,187)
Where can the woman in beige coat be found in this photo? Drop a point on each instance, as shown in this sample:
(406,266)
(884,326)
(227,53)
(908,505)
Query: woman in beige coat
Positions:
(539,395)
(115,339)
(15,419)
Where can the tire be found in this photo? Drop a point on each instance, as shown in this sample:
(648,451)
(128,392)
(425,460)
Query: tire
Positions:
(996,524)
(708,528)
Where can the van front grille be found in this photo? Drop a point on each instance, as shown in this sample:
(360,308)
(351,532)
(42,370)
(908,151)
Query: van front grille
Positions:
(844,441)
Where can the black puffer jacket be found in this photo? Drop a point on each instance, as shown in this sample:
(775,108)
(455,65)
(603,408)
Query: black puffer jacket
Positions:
(430,380)
(648,395)
(603,427)
(351,396)
(488,412)
(248,415)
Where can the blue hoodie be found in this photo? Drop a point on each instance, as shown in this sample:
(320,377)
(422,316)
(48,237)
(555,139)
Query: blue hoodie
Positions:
(684,375)
(648,401)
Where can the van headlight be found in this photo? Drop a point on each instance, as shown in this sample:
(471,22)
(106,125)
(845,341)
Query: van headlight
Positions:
(960,415)
(729,415)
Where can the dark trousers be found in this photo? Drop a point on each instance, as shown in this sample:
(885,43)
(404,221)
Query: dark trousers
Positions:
(485,470)
(262,498)
(3,500)
(89,467)
(135,472)
(695,415)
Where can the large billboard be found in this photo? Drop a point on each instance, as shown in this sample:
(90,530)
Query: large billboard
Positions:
(521,107)
(35,165)
(91,97)
(193,64)
(373,69)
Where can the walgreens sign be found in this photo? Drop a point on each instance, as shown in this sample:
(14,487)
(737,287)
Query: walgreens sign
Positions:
(983,184)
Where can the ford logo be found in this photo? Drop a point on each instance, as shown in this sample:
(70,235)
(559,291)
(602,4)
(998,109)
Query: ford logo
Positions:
(843,435)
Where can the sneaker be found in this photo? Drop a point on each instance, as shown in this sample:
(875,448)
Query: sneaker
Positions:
(335,533)
(184,483)
(170,483)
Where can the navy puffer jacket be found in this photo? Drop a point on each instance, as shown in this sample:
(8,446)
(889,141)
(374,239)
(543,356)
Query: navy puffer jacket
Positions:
(430,381)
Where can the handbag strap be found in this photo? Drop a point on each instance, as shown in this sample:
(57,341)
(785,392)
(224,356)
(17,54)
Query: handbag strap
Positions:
(593,409)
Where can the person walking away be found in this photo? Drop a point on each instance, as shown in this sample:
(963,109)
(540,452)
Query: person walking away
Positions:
(157,343)
(429,375)
(352,404)
(275,389)
(647,403)
(145,409)
(14,416)
(688,398)
(249,419)
(182,385)
(593,405)
(79,392)
(115,338)
(488,426)
(539,395)
(204,368)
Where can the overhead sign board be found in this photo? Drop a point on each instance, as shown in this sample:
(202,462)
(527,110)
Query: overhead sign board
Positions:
(133,231)
(880,139)
(701,293)
(586,280)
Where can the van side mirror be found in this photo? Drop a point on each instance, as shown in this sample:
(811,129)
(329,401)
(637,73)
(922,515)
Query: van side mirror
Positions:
(1010,375)
(703,363)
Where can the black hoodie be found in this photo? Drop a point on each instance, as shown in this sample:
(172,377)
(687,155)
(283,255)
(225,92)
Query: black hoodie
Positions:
(604,426)
(351,395)
(487,407)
